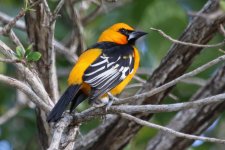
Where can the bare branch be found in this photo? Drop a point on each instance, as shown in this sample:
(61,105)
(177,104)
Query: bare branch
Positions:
(194,80)
(171,131)
(59,128)
(135,85)
(10,60)
(93,14)
(9,26)
(222,30)
(75,17)
(139,79)
(6,29)
(71,57)
(15,39)
(5,19)
(132,109)
(25,89)
(186,43)
(12,112)
(57,9)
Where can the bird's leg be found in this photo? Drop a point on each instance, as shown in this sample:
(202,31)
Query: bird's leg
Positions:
(111,100)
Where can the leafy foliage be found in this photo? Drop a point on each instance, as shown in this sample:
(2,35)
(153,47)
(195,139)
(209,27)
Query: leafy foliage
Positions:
(28,55)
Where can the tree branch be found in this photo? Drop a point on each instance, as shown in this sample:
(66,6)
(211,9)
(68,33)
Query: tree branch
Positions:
(12,112)
(171,131)
(134,109)
(187,43)
(25,89)
(59,128)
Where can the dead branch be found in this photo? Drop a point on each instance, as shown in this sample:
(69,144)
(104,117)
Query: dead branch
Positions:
(12,112)
(187,43)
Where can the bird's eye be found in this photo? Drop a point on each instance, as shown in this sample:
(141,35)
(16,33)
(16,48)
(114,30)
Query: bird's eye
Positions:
(123,31)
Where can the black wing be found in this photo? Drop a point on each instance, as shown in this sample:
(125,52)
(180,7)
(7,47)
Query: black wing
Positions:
(108,70)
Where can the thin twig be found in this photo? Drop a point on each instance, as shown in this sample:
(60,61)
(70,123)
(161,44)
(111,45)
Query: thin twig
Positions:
(75,17)
(194,81)
(60,48)
(12,112)
(135,85)
(171,131)
(16,40)
(222,30)
(10,60)
(6,29)
(55,13)
(91,16)
(174,97)
(186,43)
(139,79)
(5,19)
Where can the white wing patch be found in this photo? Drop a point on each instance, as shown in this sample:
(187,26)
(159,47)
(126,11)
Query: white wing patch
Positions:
(106,72)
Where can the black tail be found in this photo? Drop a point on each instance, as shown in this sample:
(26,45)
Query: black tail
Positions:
(80,97)
(63,102)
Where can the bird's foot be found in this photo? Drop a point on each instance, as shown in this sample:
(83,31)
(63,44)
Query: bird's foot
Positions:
(111,100)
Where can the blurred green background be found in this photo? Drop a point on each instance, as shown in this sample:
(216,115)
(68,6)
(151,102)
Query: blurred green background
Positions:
(169,15)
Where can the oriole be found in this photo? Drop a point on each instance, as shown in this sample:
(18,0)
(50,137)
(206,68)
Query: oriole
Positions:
(104,69)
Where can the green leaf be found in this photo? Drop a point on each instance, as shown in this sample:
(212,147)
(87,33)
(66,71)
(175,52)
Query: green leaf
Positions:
(29,47)
(19,52)
(33,56)
(222,5)
(28,51)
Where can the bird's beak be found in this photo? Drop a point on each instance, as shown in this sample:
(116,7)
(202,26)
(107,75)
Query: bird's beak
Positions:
(136,34)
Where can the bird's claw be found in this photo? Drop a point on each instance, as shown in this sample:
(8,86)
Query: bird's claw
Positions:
(112,99)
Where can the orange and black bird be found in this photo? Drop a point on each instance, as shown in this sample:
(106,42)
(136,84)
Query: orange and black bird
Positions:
(102,70)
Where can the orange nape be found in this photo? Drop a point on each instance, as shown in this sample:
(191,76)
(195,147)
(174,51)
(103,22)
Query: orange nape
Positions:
(112,35)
